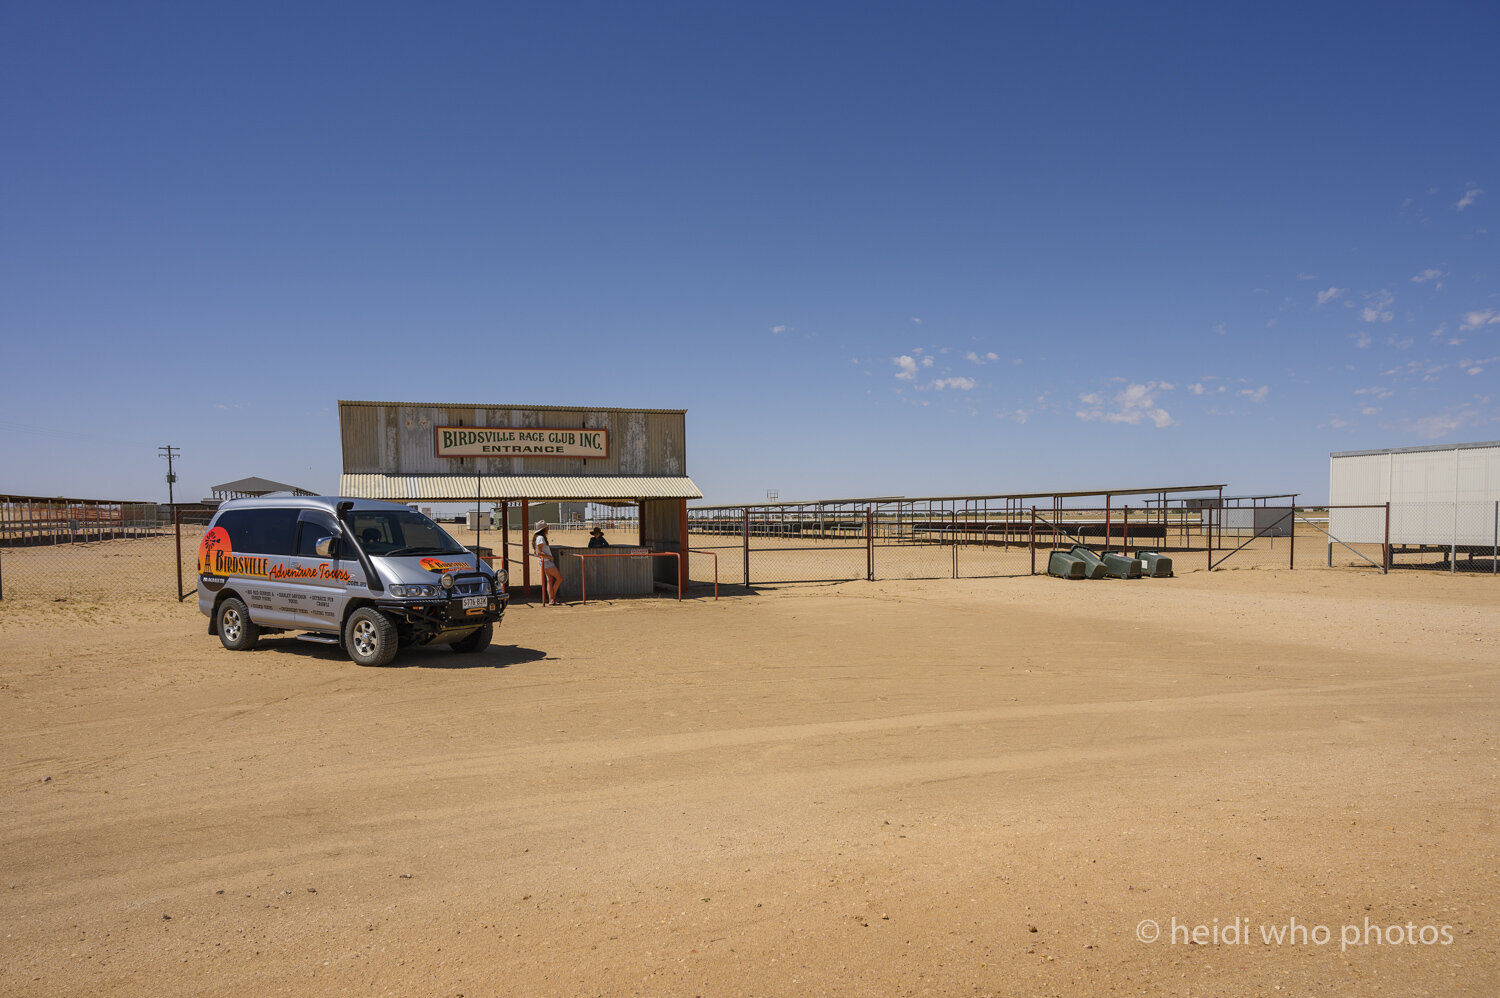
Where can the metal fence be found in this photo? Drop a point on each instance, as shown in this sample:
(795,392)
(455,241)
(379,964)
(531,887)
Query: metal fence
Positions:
(925,539)
(75,547)
(55,549)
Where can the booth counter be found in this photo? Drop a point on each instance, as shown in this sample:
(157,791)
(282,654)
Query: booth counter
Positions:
(606,576)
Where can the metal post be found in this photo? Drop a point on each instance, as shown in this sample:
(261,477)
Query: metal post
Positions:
(1453,557)
(505,537)
(526,545)
(1033,540)
(177,525)
(869,544)
(1210,533)
(747,545)
(1385,561)
(682,550)
(1291,557)
(1495,557)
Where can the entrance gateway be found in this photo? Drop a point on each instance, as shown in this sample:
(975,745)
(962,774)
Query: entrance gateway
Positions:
(512,456)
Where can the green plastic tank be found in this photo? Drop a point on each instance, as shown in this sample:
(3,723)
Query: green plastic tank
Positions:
(1065,566)
(1155,566)
(1121,566)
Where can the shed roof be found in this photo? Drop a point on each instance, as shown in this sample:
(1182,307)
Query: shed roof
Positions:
(1414,450)
(487,488)
(505,405)
(254,486)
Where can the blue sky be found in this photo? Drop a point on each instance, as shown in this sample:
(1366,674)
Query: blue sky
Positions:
(873,249)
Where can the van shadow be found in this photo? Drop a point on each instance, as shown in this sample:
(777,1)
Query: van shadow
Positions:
(496,656)
(443,657)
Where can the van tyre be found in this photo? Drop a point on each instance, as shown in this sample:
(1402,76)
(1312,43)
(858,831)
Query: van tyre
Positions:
(236,630)
(370,637)
(478,641)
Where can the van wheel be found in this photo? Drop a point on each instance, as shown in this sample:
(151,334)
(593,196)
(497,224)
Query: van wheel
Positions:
(237,631)
(370,637)
(478,641)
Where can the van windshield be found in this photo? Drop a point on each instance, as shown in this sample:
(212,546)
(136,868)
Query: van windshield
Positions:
(400,532)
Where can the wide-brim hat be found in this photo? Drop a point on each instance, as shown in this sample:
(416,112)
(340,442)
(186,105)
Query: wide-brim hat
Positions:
(539,525)
(597,530)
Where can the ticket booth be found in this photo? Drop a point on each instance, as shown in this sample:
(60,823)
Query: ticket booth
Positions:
(513,456)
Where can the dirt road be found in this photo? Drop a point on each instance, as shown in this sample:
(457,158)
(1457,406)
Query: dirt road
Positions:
(973,787)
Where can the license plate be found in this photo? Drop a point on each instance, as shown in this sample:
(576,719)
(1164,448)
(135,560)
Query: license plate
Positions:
(476,602)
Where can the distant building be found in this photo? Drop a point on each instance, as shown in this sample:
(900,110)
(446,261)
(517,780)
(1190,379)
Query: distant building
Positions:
(247,487)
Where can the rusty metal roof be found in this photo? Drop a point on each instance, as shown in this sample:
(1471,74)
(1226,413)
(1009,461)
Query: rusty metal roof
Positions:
(487,488)
(507,405)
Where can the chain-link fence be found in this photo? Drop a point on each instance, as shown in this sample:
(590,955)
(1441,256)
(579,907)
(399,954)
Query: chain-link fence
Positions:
(64,548)
(60,549)
(926,539)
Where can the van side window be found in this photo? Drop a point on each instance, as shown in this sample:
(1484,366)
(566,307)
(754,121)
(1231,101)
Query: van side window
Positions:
(261,531)
(307,539)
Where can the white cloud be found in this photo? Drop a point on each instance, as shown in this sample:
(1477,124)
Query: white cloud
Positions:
(908,367)
(778,330)
(1368,410)
(1363,341)
(1429,275)
(916,320)
(1219,328)
(961,384)
(1196,389)
(1307,277)
(1400,344)
(1379,309)
(926,361)
(1473,320)
(1324,297)
(1132,405)
(1258,395)
(1339,424)
(1471,194)
(1443,423)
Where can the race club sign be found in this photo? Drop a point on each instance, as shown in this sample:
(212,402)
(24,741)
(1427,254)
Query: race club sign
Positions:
(508,441)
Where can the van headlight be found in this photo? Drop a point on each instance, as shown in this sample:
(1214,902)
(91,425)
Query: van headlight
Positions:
(502,579)
(413,592)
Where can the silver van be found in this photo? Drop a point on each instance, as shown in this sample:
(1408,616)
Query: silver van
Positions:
(369,576)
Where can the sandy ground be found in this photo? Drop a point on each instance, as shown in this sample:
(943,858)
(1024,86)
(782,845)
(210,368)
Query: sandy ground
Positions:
(965,787)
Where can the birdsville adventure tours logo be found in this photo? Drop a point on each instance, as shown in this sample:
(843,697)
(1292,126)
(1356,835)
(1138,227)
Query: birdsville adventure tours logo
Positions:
(216,557)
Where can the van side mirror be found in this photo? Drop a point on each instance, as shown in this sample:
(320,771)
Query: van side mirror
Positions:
(327,547)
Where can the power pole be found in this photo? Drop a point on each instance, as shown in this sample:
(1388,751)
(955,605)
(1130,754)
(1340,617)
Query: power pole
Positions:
(169,452)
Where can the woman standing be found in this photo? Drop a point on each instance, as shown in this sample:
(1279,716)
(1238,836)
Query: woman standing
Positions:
(551,577)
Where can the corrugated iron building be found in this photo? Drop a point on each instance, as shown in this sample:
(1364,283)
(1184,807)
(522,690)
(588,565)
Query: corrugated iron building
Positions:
(475,452)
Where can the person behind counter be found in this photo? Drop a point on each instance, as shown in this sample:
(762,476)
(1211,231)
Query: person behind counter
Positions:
(551,577)
(596,539)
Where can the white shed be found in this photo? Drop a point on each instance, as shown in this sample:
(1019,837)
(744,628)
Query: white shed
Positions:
(1442,496)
